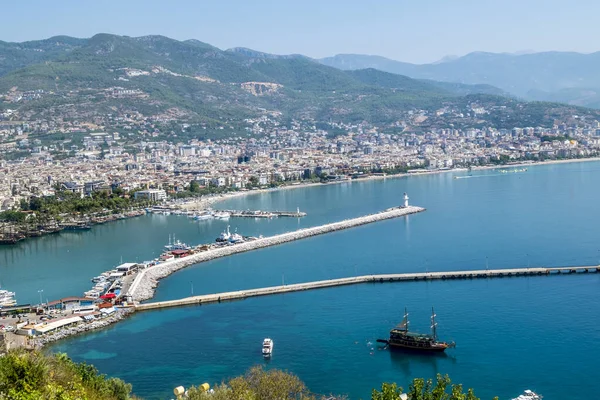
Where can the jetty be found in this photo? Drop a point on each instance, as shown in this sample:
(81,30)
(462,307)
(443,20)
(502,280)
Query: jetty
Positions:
(374,279)
(142,287)
(262,214)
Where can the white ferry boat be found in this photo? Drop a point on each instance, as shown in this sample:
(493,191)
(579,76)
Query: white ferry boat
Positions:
(267,347)
(529,395)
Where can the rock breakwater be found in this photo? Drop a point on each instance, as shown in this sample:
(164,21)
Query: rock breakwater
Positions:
(146,281)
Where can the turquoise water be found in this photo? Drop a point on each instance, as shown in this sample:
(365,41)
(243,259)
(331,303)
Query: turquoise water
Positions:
(512,334)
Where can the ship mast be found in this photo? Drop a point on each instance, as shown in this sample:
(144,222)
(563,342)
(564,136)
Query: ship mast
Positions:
(433,325)
(405,321)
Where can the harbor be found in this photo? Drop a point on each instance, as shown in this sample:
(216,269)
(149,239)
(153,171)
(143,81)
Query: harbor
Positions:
(146,281)
(501,324)
(383,278)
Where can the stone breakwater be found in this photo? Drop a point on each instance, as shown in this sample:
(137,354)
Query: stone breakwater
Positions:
(146,281)
(81,327)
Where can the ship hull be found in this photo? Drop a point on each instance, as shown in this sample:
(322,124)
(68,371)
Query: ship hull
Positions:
(397,346)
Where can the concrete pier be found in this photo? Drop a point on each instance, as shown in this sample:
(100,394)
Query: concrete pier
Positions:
(144,283)
(384,278)
(263,214)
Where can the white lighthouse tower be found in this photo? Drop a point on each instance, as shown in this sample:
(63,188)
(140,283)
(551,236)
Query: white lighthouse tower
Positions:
(405,200)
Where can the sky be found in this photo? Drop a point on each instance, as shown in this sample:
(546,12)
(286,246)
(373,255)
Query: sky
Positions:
(418,31)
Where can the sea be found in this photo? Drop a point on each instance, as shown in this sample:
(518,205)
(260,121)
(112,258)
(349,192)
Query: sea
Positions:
(511,334)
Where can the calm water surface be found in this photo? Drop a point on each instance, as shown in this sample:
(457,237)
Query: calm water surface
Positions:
(512,334)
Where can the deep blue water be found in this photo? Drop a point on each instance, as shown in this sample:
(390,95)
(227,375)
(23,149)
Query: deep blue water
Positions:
(512,334)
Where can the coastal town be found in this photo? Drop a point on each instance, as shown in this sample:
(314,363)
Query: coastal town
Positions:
(160,166)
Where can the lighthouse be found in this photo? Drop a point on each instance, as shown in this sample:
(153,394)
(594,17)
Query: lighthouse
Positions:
(405,200)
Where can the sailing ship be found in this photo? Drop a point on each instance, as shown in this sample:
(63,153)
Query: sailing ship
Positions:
(402,338)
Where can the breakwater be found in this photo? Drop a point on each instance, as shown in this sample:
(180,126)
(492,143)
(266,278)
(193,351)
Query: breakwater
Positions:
(383,278)
(262,214)
(146,280)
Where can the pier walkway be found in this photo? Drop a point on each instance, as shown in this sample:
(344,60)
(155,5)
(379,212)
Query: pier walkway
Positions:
(144,283)
(262,214)
(408,277)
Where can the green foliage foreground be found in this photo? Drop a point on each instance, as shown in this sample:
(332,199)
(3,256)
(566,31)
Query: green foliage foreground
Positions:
(34,375)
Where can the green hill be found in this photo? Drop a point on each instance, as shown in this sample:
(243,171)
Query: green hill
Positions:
(209,86)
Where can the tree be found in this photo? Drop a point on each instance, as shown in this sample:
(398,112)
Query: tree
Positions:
(253,181)
(34,375)
(389,391)
(257,384)
(421,389)
(194,186)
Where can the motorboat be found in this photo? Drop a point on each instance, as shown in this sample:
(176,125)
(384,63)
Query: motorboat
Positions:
(222,215)
(224,236)
(7,298)
(236,238)
(203,216)
(267,347)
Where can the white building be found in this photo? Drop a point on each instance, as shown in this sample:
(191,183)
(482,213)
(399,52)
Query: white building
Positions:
(151,194)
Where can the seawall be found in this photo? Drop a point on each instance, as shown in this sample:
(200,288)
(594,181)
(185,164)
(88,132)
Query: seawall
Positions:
(145,282)
(383,278)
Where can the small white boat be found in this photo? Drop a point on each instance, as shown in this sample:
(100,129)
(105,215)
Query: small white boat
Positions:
(222,215)
(267,347)
(529,395)
(203,216)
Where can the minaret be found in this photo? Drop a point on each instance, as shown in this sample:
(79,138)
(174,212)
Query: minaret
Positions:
(405,200)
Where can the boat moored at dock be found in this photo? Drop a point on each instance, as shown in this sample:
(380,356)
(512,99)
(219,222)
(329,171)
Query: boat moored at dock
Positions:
(7,299)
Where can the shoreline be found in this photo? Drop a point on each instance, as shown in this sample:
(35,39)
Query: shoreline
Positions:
(60,228)
(201,204)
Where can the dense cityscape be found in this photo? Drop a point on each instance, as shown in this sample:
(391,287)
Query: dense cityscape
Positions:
(271,155)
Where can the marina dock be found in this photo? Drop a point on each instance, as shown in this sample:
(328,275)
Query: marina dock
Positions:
(262,214)
(374,279)
(144,283)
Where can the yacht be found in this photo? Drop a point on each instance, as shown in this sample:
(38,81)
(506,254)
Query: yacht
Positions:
(236,237)
(99,278)
(222,215)
(7,298)
(529,395)
(224,236)
(267,347)
(203,216)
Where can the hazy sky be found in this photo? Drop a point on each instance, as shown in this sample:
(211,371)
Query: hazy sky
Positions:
(415,31)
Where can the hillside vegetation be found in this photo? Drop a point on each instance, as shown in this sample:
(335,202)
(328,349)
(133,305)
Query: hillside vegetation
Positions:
(36,376)
(199,83)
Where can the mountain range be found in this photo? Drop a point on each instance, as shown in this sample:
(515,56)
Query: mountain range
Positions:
(566,77)
(208,85)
